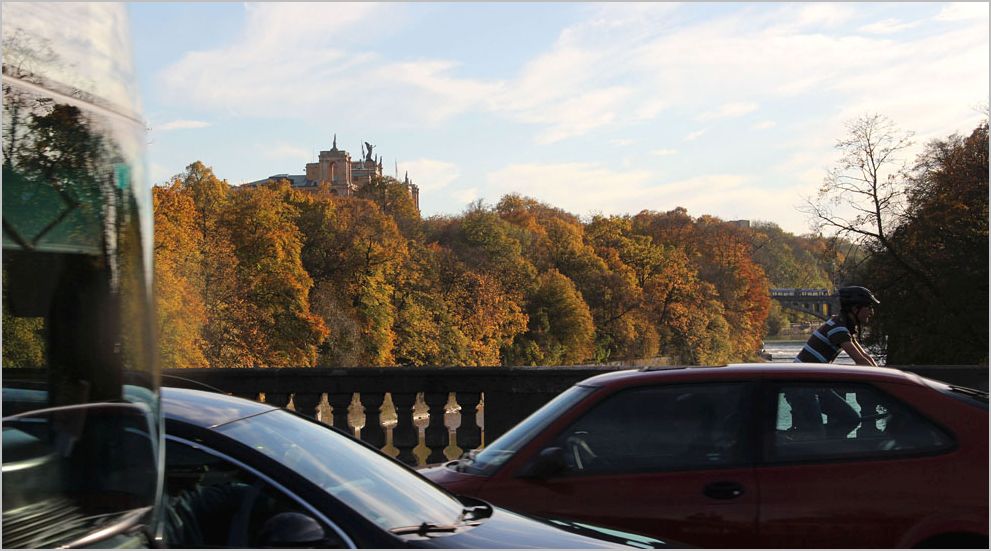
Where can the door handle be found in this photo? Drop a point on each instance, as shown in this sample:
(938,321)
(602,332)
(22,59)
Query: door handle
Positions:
(723,490)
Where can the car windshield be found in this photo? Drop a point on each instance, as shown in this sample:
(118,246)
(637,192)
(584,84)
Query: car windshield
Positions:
(488,460)
(368,482)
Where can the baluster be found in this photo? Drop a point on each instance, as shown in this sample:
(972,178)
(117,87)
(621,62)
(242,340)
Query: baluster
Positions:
(339,413)
(435,435)
(356,415)
(388,419)
(405,435)
(452,420)
(480,420)
(469,436)
(324,410)
(421,418)
(306,403)
(373,433)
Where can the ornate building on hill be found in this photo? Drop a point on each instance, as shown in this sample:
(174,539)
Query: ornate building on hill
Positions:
(340,173)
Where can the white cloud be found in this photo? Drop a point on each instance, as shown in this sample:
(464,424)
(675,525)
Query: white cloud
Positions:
(299,51)
(729,110)
(622,142)
(622,65)
(664,152)
(888,26)
(430,174)
(465,196)
(764,125)
(181,124)
(958,11)
(575,187)
(585,188)
(692,136)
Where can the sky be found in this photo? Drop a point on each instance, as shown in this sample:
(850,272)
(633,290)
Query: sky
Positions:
(726,109)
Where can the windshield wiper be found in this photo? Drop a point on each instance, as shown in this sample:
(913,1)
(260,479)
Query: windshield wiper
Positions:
(425,529)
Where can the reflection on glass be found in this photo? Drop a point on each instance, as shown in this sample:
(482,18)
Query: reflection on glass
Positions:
(374,486)
(81,426)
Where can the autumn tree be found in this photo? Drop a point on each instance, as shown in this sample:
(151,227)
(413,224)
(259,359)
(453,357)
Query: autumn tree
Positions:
(275,286)
(395,200)
(352,250)
(943,317)
(180,308)
(560,330)
(227,342)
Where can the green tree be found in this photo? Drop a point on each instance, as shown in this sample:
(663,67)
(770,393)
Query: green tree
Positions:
(560,330)
(276,287)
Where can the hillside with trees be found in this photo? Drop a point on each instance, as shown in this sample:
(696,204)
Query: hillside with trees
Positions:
(273,276)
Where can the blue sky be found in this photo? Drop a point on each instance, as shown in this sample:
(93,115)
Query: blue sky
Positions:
(729,109)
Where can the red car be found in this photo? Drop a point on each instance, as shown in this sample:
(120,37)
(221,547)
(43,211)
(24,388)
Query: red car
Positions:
(762,455)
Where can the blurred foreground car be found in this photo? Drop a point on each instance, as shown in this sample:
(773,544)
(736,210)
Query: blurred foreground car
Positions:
(243,474)
(750,456)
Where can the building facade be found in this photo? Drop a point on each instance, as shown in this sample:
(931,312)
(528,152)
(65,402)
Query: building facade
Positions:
(340,173)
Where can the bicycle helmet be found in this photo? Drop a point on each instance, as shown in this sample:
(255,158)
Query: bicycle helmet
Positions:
(857,296)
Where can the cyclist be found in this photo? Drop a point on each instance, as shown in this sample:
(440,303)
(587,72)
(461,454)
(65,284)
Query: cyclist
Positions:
(842,331)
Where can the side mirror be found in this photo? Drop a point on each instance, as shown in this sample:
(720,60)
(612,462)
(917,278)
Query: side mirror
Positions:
(549,462)
(293,530)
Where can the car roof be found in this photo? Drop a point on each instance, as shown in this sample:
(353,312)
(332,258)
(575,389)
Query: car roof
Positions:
(751,371)
(207,409)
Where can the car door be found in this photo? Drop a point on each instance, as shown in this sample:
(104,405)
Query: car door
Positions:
(672,461)
(845,465)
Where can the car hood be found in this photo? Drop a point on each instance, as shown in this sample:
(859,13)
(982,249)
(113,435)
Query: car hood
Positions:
(508,530)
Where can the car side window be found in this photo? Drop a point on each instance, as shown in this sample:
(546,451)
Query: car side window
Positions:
(671,427)
(846,421)
(214,503)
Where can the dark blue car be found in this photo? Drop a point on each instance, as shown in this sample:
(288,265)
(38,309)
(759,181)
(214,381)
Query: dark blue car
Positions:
(245,474)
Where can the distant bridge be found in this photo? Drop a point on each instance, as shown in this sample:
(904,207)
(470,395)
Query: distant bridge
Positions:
(821,303)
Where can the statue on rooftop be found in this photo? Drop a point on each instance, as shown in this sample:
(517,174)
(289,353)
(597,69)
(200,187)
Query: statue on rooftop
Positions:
(368,154)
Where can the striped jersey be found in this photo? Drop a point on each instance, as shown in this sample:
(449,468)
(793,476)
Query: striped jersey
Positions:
(825,343)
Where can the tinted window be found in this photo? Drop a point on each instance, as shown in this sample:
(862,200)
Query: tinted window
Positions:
(214,503)
(847,421)
(490,458)
(660,428)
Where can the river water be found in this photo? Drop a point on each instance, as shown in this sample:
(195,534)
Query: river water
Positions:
(785,351)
